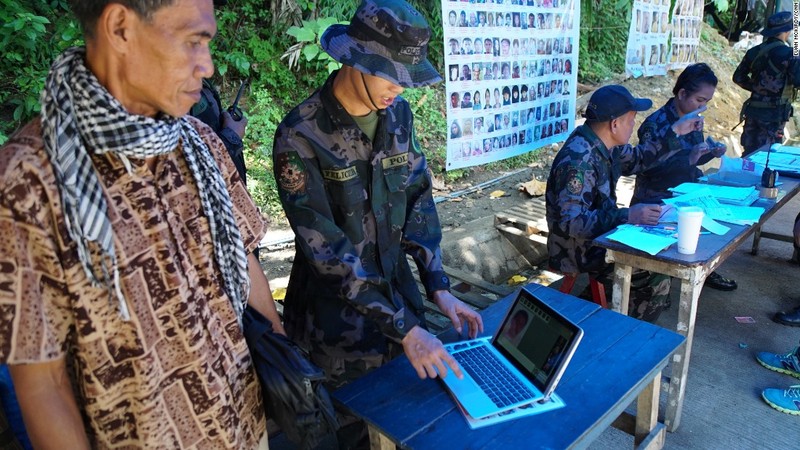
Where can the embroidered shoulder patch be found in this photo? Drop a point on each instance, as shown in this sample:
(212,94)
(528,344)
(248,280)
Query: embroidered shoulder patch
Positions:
(574,181)
(291,173)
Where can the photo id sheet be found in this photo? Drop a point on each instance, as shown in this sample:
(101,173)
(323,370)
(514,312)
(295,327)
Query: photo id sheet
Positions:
(687,17)
(648,38)
(511,76)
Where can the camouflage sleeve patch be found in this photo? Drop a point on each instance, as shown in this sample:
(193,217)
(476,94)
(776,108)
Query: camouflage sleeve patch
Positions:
(292,176)
(574,181)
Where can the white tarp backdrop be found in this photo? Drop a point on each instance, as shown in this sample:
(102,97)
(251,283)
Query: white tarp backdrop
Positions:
(511,76)
(686,19)
(648,38)
(656,44)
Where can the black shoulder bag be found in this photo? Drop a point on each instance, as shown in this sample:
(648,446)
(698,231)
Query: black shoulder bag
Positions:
(291,385)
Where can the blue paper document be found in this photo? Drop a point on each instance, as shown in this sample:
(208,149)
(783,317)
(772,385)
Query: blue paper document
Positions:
(640,239)
(723,194)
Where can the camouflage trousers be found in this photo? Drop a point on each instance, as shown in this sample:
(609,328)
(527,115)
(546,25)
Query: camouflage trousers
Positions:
(353,433)
(649,292)
(757,133)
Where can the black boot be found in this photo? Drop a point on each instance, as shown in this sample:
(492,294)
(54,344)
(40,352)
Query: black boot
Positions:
(791,319)
(717,281)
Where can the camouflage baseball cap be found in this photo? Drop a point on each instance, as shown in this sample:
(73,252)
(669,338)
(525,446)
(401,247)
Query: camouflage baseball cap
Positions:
(387,39)
(612,101)
(778,23)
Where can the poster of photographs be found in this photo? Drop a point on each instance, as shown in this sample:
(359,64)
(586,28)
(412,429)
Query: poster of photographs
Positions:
(686,19)
(648,38)
(511,76)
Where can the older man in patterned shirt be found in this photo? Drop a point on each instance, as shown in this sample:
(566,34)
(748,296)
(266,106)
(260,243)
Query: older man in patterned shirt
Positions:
(125,240)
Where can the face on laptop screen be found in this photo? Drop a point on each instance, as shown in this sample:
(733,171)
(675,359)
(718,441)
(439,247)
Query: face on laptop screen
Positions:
(534,339)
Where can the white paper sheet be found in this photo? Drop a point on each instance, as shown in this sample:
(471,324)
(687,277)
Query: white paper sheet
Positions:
(714,226)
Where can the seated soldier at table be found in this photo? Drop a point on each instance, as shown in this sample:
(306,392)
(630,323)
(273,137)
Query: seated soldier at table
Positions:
(694,88)
(581,199)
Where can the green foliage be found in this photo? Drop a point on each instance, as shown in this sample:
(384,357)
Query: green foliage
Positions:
(603,38)
(31,35)
(339,9)
(430,125)
(721,5)
(264,116)
(308,45)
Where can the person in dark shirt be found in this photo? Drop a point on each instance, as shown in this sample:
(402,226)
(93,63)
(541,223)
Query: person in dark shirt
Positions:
(694,89)
(210,110)
(581,202)
(769,72)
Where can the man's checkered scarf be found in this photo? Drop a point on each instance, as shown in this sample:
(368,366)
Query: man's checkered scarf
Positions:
(80,116)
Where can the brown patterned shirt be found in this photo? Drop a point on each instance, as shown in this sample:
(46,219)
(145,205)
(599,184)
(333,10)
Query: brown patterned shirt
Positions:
(178,374)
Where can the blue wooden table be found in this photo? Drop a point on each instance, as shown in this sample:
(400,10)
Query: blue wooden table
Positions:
(619,361)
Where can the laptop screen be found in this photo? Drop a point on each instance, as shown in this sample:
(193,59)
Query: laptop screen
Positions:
(536,339)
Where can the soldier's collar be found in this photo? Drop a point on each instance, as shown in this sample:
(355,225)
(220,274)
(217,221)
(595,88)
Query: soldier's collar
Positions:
(586,132)
(671,110)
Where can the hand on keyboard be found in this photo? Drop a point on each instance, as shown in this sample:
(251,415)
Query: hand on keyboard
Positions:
(458,313)
(427,354)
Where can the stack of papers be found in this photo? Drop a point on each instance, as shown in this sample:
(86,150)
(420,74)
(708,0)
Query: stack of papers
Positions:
(705,198)
(741,196)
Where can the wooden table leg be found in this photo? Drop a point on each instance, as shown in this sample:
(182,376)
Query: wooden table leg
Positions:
(622,288)
(756,239)
(649,434)
(378,440)
(687,312)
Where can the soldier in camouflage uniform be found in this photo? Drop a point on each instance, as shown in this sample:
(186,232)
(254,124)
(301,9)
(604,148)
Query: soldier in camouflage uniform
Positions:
(356,189)
(581,200)
(694,89)
(769,72)
(209,109)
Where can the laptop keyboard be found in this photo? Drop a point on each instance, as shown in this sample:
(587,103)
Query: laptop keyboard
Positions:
(502,387)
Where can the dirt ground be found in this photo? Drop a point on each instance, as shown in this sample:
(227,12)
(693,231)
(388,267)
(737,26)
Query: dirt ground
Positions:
(471,198)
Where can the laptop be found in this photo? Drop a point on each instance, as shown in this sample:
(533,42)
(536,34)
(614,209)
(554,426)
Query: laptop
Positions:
(521,364)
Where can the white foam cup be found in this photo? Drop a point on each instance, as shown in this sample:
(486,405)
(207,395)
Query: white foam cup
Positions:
(689,220)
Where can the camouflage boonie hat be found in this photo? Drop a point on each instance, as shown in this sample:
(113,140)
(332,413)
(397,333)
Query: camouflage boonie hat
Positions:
(777,24)
(387,39)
